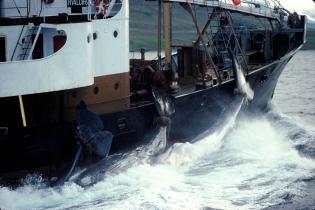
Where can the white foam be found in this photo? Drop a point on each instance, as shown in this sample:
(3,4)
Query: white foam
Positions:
(251,166)
(185,153)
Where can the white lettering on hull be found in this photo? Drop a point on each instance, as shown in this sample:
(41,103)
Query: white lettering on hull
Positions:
(82,3)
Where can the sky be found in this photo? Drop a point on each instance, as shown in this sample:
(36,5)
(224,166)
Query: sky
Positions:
(306,7)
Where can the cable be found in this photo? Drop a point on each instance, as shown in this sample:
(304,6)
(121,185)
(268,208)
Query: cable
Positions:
(17,8)
(41,8)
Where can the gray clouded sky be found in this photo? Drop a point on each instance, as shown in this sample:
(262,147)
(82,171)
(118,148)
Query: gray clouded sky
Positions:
(306,7)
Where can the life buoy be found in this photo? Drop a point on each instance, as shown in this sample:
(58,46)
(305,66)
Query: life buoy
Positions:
(237,2)
(101,9)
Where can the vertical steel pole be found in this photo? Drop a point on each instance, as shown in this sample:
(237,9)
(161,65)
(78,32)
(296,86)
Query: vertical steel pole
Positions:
(22,111)
(167,35)
(159,33)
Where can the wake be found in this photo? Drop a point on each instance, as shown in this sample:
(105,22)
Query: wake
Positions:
(185,153)
(253,163)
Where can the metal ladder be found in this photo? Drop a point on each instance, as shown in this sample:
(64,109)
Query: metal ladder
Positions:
(238,48)
(227,38)
(28,43)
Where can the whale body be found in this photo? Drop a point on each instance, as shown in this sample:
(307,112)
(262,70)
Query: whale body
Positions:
(242,86)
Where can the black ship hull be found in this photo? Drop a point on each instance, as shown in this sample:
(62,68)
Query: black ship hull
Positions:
(197,111)
(49,149)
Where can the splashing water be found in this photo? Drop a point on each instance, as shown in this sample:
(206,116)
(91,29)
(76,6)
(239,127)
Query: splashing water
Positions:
(187,153)
(253,166)
(120,162)
(266,162)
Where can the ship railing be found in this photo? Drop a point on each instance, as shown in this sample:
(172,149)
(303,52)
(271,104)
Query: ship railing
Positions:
(224,39)
(23,9)
(19,8)
(265,8)
(89,12)
(29,56)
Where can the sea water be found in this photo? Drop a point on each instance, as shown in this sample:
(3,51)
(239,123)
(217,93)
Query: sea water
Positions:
(265,162)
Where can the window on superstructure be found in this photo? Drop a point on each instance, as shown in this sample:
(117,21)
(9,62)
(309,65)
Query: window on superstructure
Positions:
(3,49)
(39,47)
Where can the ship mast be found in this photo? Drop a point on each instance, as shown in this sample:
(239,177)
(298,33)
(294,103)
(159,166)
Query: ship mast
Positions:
(159,33)
(167,24)
(167,35)
(167,28)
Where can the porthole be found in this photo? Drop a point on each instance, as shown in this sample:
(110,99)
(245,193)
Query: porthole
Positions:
(89,38)
(116,86)
(115,34)
(94,36)
(96,90)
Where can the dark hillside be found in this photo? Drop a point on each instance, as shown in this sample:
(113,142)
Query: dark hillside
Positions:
(310,40)
(143,25)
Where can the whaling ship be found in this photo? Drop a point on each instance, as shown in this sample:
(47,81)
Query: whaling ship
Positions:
(70,95)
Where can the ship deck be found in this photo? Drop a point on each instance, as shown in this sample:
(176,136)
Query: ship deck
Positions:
(255,9)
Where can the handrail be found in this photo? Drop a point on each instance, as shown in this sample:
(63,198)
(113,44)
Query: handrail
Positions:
(34,42)
(18,8)
(24,10)
(89,10)
(265,8)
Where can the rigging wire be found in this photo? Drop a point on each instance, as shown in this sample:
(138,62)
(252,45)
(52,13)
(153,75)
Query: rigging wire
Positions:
(41,8)
(17,8)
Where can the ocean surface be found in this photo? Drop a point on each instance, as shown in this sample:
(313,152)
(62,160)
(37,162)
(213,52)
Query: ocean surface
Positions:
(265,162)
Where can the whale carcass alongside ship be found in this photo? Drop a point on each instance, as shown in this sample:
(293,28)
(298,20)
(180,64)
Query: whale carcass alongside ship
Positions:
(71,98)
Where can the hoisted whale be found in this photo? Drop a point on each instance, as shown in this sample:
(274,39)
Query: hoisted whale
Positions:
(155,143)
(242,86)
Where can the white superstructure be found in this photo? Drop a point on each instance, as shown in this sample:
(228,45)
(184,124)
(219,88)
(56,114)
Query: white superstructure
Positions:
(57,47)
